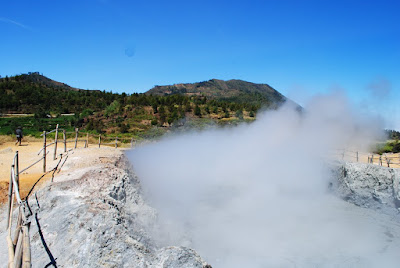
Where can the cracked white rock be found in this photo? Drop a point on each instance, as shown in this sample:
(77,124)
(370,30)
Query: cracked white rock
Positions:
(88,218)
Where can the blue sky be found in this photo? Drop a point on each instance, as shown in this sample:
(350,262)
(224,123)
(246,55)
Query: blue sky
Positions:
(301,48)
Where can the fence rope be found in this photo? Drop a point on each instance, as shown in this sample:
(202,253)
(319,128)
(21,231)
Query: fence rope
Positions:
(374,159)
(19,248)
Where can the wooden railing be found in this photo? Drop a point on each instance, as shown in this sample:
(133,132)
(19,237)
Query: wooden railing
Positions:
(19,251)
(18,241)
(102,140)
(370,158)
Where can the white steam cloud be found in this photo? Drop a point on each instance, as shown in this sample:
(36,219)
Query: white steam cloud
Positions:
(257,196)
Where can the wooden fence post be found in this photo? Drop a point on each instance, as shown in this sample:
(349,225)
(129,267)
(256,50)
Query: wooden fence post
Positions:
(87,140)
(55,144)
(10,201)
(18,224)
(17,168)
(44,151)
(116,142)
(357,156)
(76,137)
(26,249)
(372,159)
(18,250)
(99,140)
(65,140)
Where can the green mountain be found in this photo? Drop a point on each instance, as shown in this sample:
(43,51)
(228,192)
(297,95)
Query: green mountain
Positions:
(40,79)
(35,93)
(180,106)
(237,91)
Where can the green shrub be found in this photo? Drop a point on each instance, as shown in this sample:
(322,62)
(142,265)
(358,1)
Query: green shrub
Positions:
(396,148)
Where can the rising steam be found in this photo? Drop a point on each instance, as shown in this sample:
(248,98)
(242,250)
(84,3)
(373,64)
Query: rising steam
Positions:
(257,196)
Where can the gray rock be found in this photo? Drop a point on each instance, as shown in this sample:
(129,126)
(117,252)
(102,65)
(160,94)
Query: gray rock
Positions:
(177,257)
(367,185)
(98,219)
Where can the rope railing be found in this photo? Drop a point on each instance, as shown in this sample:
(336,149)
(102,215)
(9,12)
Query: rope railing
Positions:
(54,130)
(376,159)
(34,163)
(79,138)
(19,251)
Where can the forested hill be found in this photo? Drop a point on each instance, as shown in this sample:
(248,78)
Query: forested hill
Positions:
(209,102)
(35,93)
(232,90)
(40,79)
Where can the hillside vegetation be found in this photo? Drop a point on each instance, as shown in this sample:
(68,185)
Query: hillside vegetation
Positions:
(237,91)
(139,114)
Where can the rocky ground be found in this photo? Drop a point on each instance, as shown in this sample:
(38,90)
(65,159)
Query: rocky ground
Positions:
(368,186)
(93,215)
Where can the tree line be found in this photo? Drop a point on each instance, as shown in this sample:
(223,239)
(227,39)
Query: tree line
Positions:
(107,112)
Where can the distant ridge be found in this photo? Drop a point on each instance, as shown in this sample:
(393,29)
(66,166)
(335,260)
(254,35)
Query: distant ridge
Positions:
(178,107)
(232,90)
(41,80)
(35,93)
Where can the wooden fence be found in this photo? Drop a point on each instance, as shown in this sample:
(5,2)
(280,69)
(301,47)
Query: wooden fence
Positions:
(19,251)
(100,141)
(376,159)
(18,241)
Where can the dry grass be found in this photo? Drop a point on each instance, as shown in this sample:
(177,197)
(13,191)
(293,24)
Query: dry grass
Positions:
(8,138)
(4,139)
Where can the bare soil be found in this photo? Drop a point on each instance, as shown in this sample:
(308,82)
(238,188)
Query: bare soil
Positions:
(28,154)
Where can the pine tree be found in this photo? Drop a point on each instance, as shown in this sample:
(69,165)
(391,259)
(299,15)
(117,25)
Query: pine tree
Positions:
(197,111)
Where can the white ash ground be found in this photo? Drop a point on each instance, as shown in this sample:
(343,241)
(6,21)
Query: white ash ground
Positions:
(94,216)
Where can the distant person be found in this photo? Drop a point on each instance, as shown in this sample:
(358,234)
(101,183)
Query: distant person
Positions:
(19,135)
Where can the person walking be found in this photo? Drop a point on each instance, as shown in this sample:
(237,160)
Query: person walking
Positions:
(19,135)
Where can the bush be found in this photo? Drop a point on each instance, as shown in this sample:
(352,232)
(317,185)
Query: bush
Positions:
(124,128)
(396,148)
(197,111)
(86,113)
(113,108)
(40,113)
(239,114)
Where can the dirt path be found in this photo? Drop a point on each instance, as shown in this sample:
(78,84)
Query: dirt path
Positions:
(28,154)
